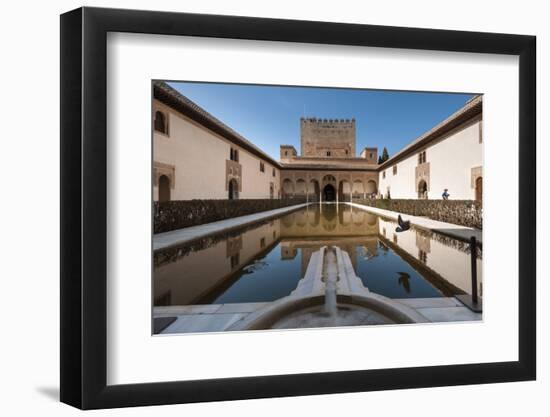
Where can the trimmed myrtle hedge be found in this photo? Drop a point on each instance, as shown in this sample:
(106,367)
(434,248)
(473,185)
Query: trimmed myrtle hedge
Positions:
(463,212)
(171,215)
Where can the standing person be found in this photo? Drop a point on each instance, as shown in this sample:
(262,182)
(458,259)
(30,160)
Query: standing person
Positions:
(445,194)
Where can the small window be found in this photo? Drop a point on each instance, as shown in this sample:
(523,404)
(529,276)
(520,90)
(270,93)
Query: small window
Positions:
(328,153)
(370,155)
(395,170)
(422,157)
(273,171)
(384,174)
(347,151)
(286,153)
(262,167)
(234,155)
(234,261)
(160,123)
(262,242)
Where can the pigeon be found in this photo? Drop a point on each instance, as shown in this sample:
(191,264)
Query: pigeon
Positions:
(404,280)
(403,225)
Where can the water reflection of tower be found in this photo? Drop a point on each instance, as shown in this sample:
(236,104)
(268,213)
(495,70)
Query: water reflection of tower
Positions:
(288,251)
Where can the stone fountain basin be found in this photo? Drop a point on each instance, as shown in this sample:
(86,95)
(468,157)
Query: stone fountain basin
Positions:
(309,312)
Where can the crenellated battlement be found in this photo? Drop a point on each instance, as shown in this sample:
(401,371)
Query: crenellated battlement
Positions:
(323,121)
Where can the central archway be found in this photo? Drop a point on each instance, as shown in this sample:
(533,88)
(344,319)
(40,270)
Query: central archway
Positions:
(329,193)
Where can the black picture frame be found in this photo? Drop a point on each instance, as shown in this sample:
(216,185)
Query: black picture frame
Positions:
(84,207)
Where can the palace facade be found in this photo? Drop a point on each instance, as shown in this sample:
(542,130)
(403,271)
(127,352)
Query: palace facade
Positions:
(196,156)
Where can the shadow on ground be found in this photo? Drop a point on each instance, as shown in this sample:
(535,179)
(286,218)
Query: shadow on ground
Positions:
(50,392)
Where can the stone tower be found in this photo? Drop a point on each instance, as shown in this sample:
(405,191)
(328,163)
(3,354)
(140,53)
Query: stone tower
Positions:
(370,154)
(327,138)
(288,152)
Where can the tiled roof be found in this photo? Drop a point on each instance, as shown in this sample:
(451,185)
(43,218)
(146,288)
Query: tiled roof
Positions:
(472,108)
(179,102)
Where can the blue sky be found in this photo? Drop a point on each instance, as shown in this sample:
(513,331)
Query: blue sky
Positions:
(269,116)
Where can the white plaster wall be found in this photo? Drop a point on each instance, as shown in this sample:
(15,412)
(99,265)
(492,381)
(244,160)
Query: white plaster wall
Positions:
(451,160)
(255,182)
(402,184)
(199,156)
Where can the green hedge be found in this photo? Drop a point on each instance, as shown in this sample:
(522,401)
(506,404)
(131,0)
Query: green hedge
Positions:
(463,212)
(171,215)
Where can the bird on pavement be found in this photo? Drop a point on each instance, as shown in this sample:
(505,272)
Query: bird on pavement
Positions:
(403,224)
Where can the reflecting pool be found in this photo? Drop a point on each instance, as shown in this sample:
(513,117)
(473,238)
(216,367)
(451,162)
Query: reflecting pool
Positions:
(264,262)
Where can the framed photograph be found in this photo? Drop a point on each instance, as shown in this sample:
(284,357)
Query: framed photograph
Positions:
(258,208)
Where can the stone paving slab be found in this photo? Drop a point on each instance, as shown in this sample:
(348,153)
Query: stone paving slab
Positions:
(240,308)
(187,234)
(219,317)
(453,230)
(433,302)
(192,309)
(444,314)
(195,323)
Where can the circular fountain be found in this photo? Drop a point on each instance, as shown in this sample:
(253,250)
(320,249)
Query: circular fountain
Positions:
(329,295)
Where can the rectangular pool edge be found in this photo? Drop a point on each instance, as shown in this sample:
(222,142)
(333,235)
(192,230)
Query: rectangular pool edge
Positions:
(448,229)
(214,228)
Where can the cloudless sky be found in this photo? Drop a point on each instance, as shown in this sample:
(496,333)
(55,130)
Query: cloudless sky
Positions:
(269,116)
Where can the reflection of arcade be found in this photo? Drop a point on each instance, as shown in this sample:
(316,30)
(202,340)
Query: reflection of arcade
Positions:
(289,248)
(328,221)
(324,225)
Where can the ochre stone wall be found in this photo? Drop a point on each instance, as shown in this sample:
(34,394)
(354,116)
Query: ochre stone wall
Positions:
(171,215)
(463,212)
(328,138)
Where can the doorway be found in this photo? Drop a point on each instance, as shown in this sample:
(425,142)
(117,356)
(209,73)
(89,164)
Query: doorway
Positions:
(479,189)
(164,188)
(329,193)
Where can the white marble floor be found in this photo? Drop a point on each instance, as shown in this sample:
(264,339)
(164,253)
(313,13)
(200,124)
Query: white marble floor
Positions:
(187,234)
(219,317)
(449,229)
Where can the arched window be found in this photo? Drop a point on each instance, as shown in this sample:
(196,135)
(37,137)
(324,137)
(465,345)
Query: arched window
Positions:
(160,122)
(164,188)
